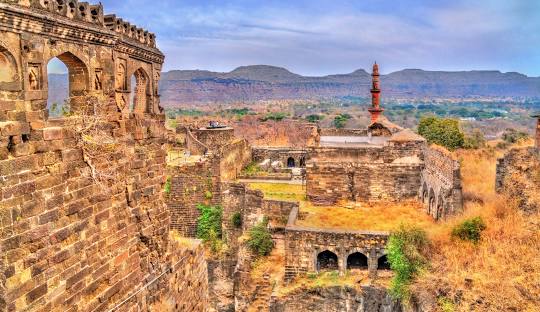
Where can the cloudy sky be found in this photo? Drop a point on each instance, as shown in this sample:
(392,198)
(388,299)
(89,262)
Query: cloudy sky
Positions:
(318,37)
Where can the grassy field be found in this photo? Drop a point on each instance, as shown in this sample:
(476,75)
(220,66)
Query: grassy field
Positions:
(280,191)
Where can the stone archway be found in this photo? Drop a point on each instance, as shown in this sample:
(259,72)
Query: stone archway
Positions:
(8,67)
(327,260)
(431,202)
(290,162)
(302,161)
(78,80)
(357,260)
(382,263)
(140,88)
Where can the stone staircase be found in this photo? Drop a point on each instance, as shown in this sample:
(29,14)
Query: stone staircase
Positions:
(263,292)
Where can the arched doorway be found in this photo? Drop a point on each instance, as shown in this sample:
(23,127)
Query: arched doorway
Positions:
(383,264)
(357,260)
(139,91)
(291,162)
(431,203)
(327,260)
(67,82)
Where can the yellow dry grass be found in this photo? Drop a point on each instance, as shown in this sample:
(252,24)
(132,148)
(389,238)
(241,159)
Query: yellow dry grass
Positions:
(385,216)
(502,272)
(280,191)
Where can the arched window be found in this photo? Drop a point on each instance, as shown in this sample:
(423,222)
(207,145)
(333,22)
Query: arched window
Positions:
(302,161)
(67,78)
(327,260)
(139,91)
(357,260)
(382,263)
(8,72)
(431,202)
(290,162)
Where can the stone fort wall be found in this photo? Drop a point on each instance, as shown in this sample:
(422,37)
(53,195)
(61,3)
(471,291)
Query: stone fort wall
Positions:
(441,190)
(71,236)
(371,173)
(282,154)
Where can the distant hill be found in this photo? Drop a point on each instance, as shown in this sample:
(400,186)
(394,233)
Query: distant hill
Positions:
(263,82)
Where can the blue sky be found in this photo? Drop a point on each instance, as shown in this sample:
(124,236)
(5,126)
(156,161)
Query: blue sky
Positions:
(319,37)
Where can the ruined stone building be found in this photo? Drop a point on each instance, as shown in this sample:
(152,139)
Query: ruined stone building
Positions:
(83,223)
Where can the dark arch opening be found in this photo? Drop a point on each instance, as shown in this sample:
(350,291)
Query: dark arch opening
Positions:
(431,202)
(327,260)
(440,208)
(139,91)
(67,84)
(357,260)
(302,161)
(383,264)
(290,162)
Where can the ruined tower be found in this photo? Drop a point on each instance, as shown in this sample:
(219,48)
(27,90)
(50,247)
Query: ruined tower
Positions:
(375,110)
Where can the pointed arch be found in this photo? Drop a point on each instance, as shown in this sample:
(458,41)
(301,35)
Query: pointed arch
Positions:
(357,260)
(9,72)
(382,263)
(140,91)
(78,79)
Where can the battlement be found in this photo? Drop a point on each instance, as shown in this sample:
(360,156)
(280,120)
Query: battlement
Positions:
(93,14)
(131,31)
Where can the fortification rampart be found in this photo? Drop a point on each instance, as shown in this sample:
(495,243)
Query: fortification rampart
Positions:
(83,222)
(296,157)
(441,190)
(365,173)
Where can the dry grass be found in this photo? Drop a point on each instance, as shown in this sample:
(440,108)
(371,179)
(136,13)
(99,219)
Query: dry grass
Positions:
(280,191)
(502,272)
(372,216)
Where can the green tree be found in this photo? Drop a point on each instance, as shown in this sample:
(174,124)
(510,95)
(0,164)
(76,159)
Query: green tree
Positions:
(340,120)
(313,118)
(442,131)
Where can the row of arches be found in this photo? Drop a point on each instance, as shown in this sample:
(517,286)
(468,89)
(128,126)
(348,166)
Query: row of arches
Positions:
(328,260)
(68,81)
(433,202)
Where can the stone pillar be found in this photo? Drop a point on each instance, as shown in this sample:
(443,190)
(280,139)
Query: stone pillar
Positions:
(372,263)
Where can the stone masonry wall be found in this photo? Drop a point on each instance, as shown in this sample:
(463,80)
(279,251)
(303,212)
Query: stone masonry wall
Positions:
(281,154)
(187,286)
(191,184)
(233,157)
(73,238)
(518,176)
(302,245)
(389,172)
(441,190)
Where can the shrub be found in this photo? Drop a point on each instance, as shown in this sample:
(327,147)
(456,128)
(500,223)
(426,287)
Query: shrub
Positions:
(208,195)
(314,118)
(236,219)
(209,223)
(475,140)
(341,119)
(277,116)
(260,241)
(442,131)
(513,136)
(167,186)
(405,247)
(470,229)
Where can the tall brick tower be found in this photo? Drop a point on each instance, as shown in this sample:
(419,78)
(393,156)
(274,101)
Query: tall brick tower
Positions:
(375,110)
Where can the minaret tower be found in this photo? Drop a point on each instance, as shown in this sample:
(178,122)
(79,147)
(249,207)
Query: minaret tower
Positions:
(375,110)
